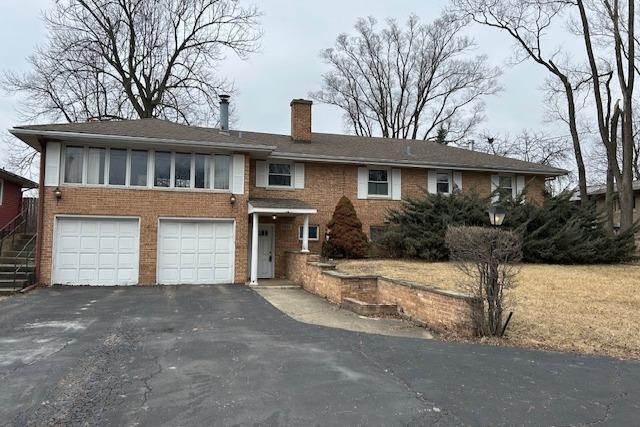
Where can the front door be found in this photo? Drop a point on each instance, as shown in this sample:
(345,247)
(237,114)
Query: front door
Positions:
(266,256)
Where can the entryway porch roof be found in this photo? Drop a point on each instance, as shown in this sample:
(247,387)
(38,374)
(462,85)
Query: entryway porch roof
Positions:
(281,206)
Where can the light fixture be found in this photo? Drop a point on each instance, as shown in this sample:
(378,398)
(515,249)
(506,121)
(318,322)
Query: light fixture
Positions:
(232,199)
(274,217)
(496,215)
(57,193)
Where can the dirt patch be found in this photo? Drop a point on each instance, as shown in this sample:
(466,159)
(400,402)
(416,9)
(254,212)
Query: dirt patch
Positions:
(588,309)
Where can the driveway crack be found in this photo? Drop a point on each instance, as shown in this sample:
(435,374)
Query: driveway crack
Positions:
(430,406)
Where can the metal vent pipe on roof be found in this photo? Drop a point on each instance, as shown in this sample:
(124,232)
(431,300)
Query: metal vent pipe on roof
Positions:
(224,112)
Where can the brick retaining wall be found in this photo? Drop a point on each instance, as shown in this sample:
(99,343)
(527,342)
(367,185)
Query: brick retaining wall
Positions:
(439,309)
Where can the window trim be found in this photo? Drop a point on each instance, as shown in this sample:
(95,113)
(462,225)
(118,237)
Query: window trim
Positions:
(500,189)
(310,238)
(1,191)
(151,157)
(449,181)
(388,182)
(292,172)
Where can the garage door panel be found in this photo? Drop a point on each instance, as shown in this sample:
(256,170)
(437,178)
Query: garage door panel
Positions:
(189,251)
(96,251)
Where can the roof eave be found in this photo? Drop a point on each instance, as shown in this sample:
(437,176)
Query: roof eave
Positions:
(30,136)
(412,164)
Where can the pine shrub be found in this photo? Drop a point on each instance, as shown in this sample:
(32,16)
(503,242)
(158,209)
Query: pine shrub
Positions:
(346,238)
(418,228)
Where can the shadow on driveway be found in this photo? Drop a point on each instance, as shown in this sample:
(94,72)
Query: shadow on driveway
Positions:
(221,355)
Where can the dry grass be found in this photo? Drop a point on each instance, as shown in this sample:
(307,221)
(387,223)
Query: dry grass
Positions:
(588,309)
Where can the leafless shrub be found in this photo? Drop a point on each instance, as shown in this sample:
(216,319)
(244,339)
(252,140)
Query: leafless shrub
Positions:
(488,257)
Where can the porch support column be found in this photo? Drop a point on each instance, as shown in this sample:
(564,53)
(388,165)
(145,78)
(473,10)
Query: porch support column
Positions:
(305,235)
(254,250)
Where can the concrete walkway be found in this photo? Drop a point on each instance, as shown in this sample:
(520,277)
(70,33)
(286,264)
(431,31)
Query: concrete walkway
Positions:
(308,308)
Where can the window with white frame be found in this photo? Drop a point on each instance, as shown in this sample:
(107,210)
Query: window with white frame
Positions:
(314,232)
(505,186)
(73,164)
(378,182)
(280,175)
(138,168)
(443,183)
(132,168)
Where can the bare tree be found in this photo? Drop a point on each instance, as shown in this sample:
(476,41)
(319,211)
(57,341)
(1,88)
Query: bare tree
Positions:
(118,59)
(417,82)
(527,24)
(488,257)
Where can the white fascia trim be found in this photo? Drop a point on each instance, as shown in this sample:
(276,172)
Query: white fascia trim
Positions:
(402,163)
(140,140)
(282,211)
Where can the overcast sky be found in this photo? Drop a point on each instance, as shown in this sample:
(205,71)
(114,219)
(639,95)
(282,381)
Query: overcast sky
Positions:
(288,65)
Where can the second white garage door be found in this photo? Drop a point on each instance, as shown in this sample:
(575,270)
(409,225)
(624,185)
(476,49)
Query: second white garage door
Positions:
(195,252)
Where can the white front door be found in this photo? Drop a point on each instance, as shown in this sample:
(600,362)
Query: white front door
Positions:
(95,251)
(195,251)
(265,251)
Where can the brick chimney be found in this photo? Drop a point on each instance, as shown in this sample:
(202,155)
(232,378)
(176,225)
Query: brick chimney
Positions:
(301,120)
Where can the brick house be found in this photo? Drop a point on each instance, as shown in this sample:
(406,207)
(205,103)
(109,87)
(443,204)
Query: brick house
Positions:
(11,186)
(150,201)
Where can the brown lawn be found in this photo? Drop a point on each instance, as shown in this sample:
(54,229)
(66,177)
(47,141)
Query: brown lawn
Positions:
(589,309)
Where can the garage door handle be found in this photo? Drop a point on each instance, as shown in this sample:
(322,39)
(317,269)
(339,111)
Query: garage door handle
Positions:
(269,258)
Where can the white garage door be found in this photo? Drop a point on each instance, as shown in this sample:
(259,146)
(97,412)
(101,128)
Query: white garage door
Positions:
(96,251)
(195,252)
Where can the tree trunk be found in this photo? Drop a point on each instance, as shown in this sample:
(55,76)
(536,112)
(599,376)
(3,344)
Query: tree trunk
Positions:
(575,138)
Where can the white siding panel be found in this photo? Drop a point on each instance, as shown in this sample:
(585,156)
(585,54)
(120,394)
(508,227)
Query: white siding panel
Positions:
(457,181)
(238,174)
(52,165)
(363,182)
(432,181)
(299,175)
(396,184)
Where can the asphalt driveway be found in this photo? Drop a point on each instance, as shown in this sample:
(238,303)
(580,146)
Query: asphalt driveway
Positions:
(221,355)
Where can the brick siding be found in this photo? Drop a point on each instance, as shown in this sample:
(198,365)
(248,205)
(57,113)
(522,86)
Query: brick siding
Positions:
(440,310)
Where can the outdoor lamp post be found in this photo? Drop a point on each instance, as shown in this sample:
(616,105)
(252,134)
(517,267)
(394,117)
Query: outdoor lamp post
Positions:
(496,215)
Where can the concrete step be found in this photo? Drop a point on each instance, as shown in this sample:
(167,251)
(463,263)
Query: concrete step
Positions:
(9,275)
(15,253)
(14,260)
(276,284)
(12,267)
(9,291)
(10,284)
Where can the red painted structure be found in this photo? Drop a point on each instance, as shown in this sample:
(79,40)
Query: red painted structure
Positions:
(11,186)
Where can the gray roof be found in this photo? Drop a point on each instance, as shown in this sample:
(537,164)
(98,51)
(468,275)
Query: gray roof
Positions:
(328,147)
(279,204)
(12,177)
(602,189)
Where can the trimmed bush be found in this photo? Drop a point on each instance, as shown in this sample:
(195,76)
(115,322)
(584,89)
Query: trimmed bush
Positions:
(345,236)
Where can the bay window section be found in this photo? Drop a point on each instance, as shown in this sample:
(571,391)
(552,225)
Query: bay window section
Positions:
(182,177)
(73,164)
(96,165)
(221,172)
(162,172)
(139,165)
(202,171)
(117,166)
